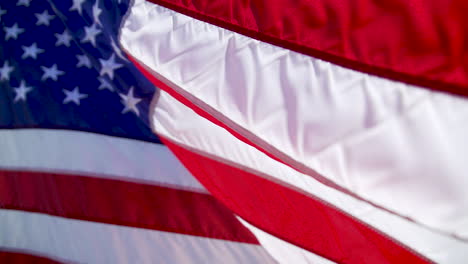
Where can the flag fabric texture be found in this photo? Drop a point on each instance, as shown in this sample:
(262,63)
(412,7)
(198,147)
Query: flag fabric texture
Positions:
(222,131)
(83,178)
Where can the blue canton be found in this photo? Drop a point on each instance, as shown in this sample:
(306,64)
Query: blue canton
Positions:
(61,67)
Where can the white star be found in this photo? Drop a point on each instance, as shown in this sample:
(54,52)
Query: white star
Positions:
(117,50)
(21,91)
(63,39)
(105,84)
(23,2)
(77,5)
(44,18)
(5,71)
(13,31)
(96,13)
(108,66)
(2,12)
(51,73)
(73,96)
(31,51)
(130,102)
(83,60)
(91,33)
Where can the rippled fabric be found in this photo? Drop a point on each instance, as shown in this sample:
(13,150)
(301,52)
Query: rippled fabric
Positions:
(179,123)
(418,42)
(399,147)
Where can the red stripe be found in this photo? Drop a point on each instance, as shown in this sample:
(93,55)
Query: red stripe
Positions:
(20,258)
(418,42)
(292,216)
(121,203)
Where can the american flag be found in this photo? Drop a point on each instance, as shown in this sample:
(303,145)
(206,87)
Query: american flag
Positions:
(219,131)
(83,177)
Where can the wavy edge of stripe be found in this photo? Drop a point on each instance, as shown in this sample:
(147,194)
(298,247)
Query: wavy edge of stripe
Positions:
(89,144)
(435,85)
(182,151)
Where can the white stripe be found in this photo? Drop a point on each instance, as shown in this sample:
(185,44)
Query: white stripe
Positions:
(89,242)
(93,155)
(175,121)
(398,146)
(283,251)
